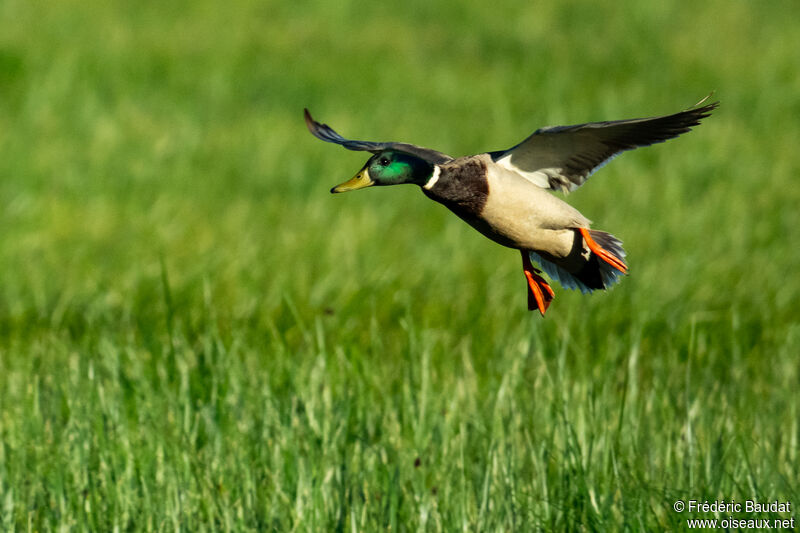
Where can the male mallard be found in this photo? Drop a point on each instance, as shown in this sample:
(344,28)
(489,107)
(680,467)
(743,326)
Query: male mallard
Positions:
(503,194)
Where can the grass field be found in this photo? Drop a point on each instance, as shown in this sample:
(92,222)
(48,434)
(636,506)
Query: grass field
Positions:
(196,336)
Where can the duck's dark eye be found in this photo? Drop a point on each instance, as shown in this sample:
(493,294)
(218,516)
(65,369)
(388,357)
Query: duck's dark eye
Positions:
(384,162)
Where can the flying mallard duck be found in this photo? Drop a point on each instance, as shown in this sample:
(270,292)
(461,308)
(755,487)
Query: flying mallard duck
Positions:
(503,194)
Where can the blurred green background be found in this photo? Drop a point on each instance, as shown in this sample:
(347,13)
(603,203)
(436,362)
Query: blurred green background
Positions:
(195,335)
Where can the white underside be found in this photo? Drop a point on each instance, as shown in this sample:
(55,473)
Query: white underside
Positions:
(528,217)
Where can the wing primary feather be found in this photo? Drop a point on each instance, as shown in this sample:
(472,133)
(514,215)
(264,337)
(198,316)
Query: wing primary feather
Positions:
(326,133)
(563,157)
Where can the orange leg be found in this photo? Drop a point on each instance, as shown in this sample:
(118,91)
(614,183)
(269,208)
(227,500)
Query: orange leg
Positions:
(539,292)
(602,253)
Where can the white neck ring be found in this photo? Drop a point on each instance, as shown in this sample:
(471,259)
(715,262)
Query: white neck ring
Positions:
(434,178)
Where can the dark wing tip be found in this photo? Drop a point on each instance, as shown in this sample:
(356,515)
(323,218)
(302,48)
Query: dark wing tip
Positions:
(644,132)
(699,111)
(686,120)
(313,126)
(326,133)
(705,111)
(322,131)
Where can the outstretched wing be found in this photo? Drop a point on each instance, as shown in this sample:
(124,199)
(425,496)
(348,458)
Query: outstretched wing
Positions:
(563,157)
(326,133)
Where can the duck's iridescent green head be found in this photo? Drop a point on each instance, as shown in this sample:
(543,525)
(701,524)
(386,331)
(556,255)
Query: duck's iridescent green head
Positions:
(389,167)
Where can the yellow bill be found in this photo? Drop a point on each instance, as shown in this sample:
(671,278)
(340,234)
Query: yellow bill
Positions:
(359,181)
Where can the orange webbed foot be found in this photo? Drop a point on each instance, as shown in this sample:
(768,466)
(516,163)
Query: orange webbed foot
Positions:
(539,292)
